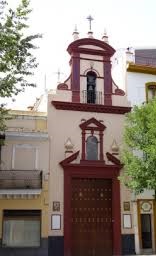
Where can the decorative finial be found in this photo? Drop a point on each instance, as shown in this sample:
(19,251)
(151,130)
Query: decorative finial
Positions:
(68,145)
(105,36)
(130,55)
(90,19)
(75,33)
(75,29)
(115,148)
(69,148)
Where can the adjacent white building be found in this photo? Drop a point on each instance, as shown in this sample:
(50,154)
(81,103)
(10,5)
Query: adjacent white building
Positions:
(137,72)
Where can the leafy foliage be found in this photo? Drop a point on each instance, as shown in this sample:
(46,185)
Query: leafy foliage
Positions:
(3,117)
(16,59)
(139,155)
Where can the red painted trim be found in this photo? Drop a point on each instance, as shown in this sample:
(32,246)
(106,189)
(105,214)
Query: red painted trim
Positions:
(70,62)
(107,84)
(87,125)
(92,162)
(67,79)
(90,70)
(101,145)
(69,159)
(67,215)
(91,59)
(92,129)
(92,171)
(75,77)
(116,216)
(100,77)
(92,125)
(75,96)
(107,50)
(62,86)
(113,159)
(83,144)
(107,171)
(117,90)
(92,52)
(73,106)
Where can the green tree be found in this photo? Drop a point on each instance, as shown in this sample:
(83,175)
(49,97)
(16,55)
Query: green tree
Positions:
(139,154)
(17,62)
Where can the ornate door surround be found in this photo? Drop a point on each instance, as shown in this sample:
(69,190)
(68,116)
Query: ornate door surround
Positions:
(99,171)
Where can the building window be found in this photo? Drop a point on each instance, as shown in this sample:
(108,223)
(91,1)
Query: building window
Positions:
(21,228)
(92,139)
(91,87)
(92,148)
(25,157)
(150,91)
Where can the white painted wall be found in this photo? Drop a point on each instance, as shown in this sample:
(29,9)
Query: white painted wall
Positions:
(135,86)
(64,124)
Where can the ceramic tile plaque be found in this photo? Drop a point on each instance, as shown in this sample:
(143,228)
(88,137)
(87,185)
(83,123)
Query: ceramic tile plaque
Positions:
(126,206)
(56,206)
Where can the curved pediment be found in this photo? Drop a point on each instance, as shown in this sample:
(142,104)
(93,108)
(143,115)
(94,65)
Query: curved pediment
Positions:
(91,46)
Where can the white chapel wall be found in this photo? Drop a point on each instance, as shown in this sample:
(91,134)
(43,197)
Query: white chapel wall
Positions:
(63,125)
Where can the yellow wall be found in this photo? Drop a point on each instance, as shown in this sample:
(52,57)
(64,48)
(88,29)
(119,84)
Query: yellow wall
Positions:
(27,121)
(40,203)
(41,125)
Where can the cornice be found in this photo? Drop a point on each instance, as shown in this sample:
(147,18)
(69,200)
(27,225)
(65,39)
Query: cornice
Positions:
(29,114)
(92,52)
(141,69)
(23,193)
(72,106)
(17,135)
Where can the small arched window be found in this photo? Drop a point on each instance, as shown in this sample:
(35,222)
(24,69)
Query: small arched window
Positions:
(92,148)
(150,90)
(91,87)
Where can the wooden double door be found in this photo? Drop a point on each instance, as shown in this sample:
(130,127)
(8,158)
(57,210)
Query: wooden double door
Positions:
(91,229)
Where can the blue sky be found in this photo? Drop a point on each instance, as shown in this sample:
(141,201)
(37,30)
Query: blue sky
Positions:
(128,23)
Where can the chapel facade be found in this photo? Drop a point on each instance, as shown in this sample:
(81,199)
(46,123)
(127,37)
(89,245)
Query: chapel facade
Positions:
(85,124)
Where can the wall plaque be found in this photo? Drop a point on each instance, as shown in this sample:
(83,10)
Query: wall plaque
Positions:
(127,222)
(56,206)
(146,206)
(55,221)
(126,206)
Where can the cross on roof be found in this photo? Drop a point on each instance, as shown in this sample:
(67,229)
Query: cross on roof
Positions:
(90,19)
(59,73)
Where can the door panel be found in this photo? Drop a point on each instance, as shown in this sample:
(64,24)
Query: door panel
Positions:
(146,231)
(91,217)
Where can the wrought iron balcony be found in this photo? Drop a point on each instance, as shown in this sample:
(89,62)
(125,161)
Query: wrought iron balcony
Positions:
(17,179)
(92,97)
